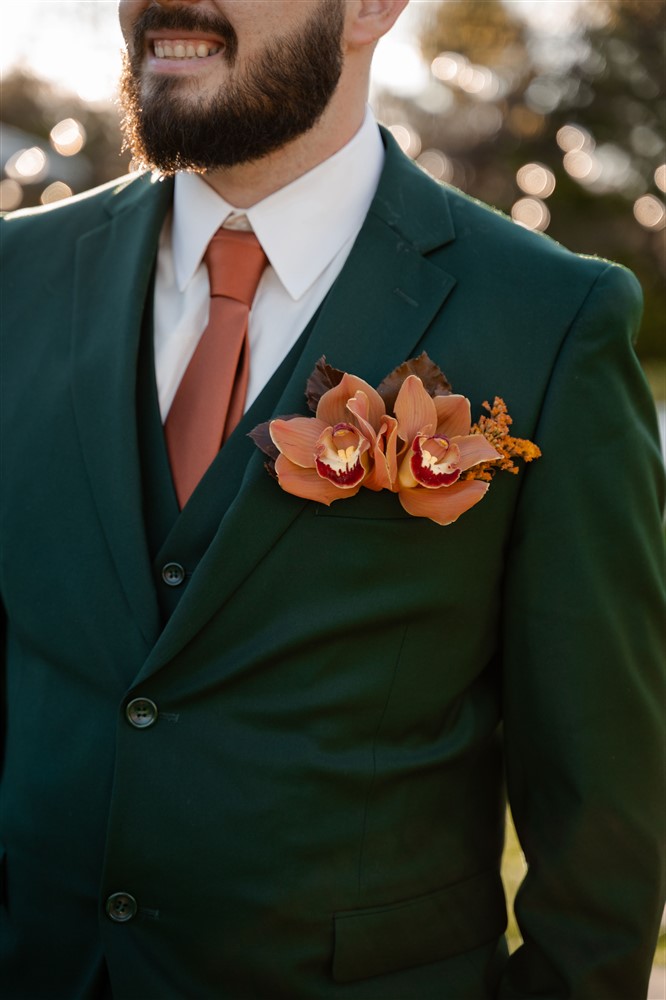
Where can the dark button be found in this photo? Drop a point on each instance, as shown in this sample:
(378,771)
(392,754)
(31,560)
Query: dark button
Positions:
(173,574)
(121,907)
(141,712)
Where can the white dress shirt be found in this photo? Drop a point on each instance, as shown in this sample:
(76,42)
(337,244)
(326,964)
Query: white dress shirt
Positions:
(306,229)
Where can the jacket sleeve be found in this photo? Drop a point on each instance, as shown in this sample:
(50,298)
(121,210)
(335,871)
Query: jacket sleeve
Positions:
(583,683)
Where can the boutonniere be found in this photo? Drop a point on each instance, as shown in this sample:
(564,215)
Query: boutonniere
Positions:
(411,435)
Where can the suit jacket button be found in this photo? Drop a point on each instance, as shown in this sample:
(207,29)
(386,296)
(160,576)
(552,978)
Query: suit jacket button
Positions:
(141,712)
(173,574)
(121,907)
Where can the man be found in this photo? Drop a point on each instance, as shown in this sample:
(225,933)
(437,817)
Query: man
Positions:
(255,744)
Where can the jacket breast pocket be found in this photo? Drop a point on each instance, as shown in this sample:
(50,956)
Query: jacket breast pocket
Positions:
(369,504)
(384,939)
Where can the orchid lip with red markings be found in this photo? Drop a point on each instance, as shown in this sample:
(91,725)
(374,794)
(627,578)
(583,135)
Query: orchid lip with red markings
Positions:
(339,455)
(435,462)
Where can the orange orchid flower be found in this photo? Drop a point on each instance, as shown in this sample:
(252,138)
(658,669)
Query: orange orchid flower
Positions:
(438,449)
(420,453)
(331,455)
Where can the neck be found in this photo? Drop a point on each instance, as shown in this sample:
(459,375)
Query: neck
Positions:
(245,184)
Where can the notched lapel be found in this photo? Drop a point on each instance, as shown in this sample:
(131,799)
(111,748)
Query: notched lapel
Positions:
(373,319)
(379,308)
(114,265)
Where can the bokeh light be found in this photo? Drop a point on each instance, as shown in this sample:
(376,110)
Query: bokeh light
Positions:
(660,177)
(531,213)
(407,138)
(581,165)
(572,137)
(68,137)
(448,65)
(650,212)
(437,165)
(456,70)
(11,195)
(28,166)
(55,192)
(536,179)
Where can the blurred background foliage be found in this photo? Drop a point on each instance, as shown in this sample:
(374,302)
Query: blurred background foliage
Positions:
(564,133)
(563,129)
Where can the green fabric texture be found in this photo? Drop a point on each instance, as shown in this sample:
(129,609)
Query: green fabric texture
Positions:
(318,810)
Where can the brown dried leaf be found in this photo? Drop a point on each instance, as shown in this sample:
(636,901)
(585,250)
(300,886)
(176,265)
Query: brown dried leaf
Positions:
(323,378)
(434,380)
(262,438)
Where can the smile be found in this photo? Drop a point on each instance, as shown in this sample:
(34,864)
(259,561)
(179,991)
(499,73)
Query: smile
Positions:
(174,48)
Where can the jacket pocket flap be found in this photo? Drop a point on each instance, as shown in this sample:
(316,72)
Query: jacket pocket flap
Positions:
(417,931)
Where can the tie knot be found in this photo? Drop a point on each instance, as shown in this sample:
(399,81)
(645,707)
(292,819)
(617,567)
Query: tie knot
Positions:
(235,263)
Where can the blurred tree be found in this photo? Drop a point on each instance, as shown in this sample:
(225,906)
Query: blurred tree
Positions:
(482,30)
(35,106)
(585,107)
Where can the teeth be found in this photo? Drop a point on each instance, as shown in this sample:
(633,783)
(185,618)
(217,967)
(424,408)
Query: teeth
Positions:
(177,49)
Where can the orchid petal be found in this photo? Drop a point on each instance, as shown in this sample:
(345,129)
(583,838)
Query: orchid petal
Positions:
(414,409)
(359,407)
(305,483)
(332,407)
(385,469)
(443,506)
(453,415)
(368,408)
(297,438)
(475,448)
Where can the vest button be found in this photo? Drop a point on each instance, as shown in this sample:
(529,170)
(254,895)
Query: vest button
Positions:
(141,712)
(121,907)
(173,574)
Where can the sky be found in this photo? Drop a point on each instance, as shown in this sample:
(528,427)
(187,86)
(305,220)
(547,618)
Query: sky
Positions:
(77,43)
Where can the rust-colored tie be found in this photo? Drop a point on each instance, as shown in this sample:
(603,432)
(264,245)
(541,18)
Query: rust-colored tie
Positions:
(210,399)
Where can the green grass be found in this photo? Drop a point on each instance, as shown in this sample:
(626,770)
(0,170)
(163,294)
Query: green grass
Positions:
(513,872)
(655,372)
(660,953)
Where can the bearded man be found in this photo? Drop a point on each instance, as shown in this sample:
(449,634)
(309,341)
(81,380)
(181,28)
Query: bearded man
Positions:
(258,731)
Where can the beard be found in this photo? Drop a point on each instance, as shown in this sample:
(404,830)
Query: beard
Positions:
(276,97)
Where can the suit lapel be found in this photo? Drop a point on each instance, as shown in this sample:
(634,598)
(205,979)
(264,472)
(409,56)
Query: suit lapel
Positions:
(378,310)
(114,264)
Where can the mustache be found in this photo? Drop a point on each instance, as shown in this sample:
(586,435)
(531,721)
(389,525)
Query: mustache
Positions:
(158,18)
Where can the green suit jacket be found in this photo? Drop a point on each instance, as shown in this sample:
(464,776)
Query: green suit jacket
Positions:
(317,809)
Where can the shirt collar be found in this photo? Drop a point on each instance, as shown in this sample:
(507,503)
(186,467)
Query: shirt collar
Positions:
(301,227)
